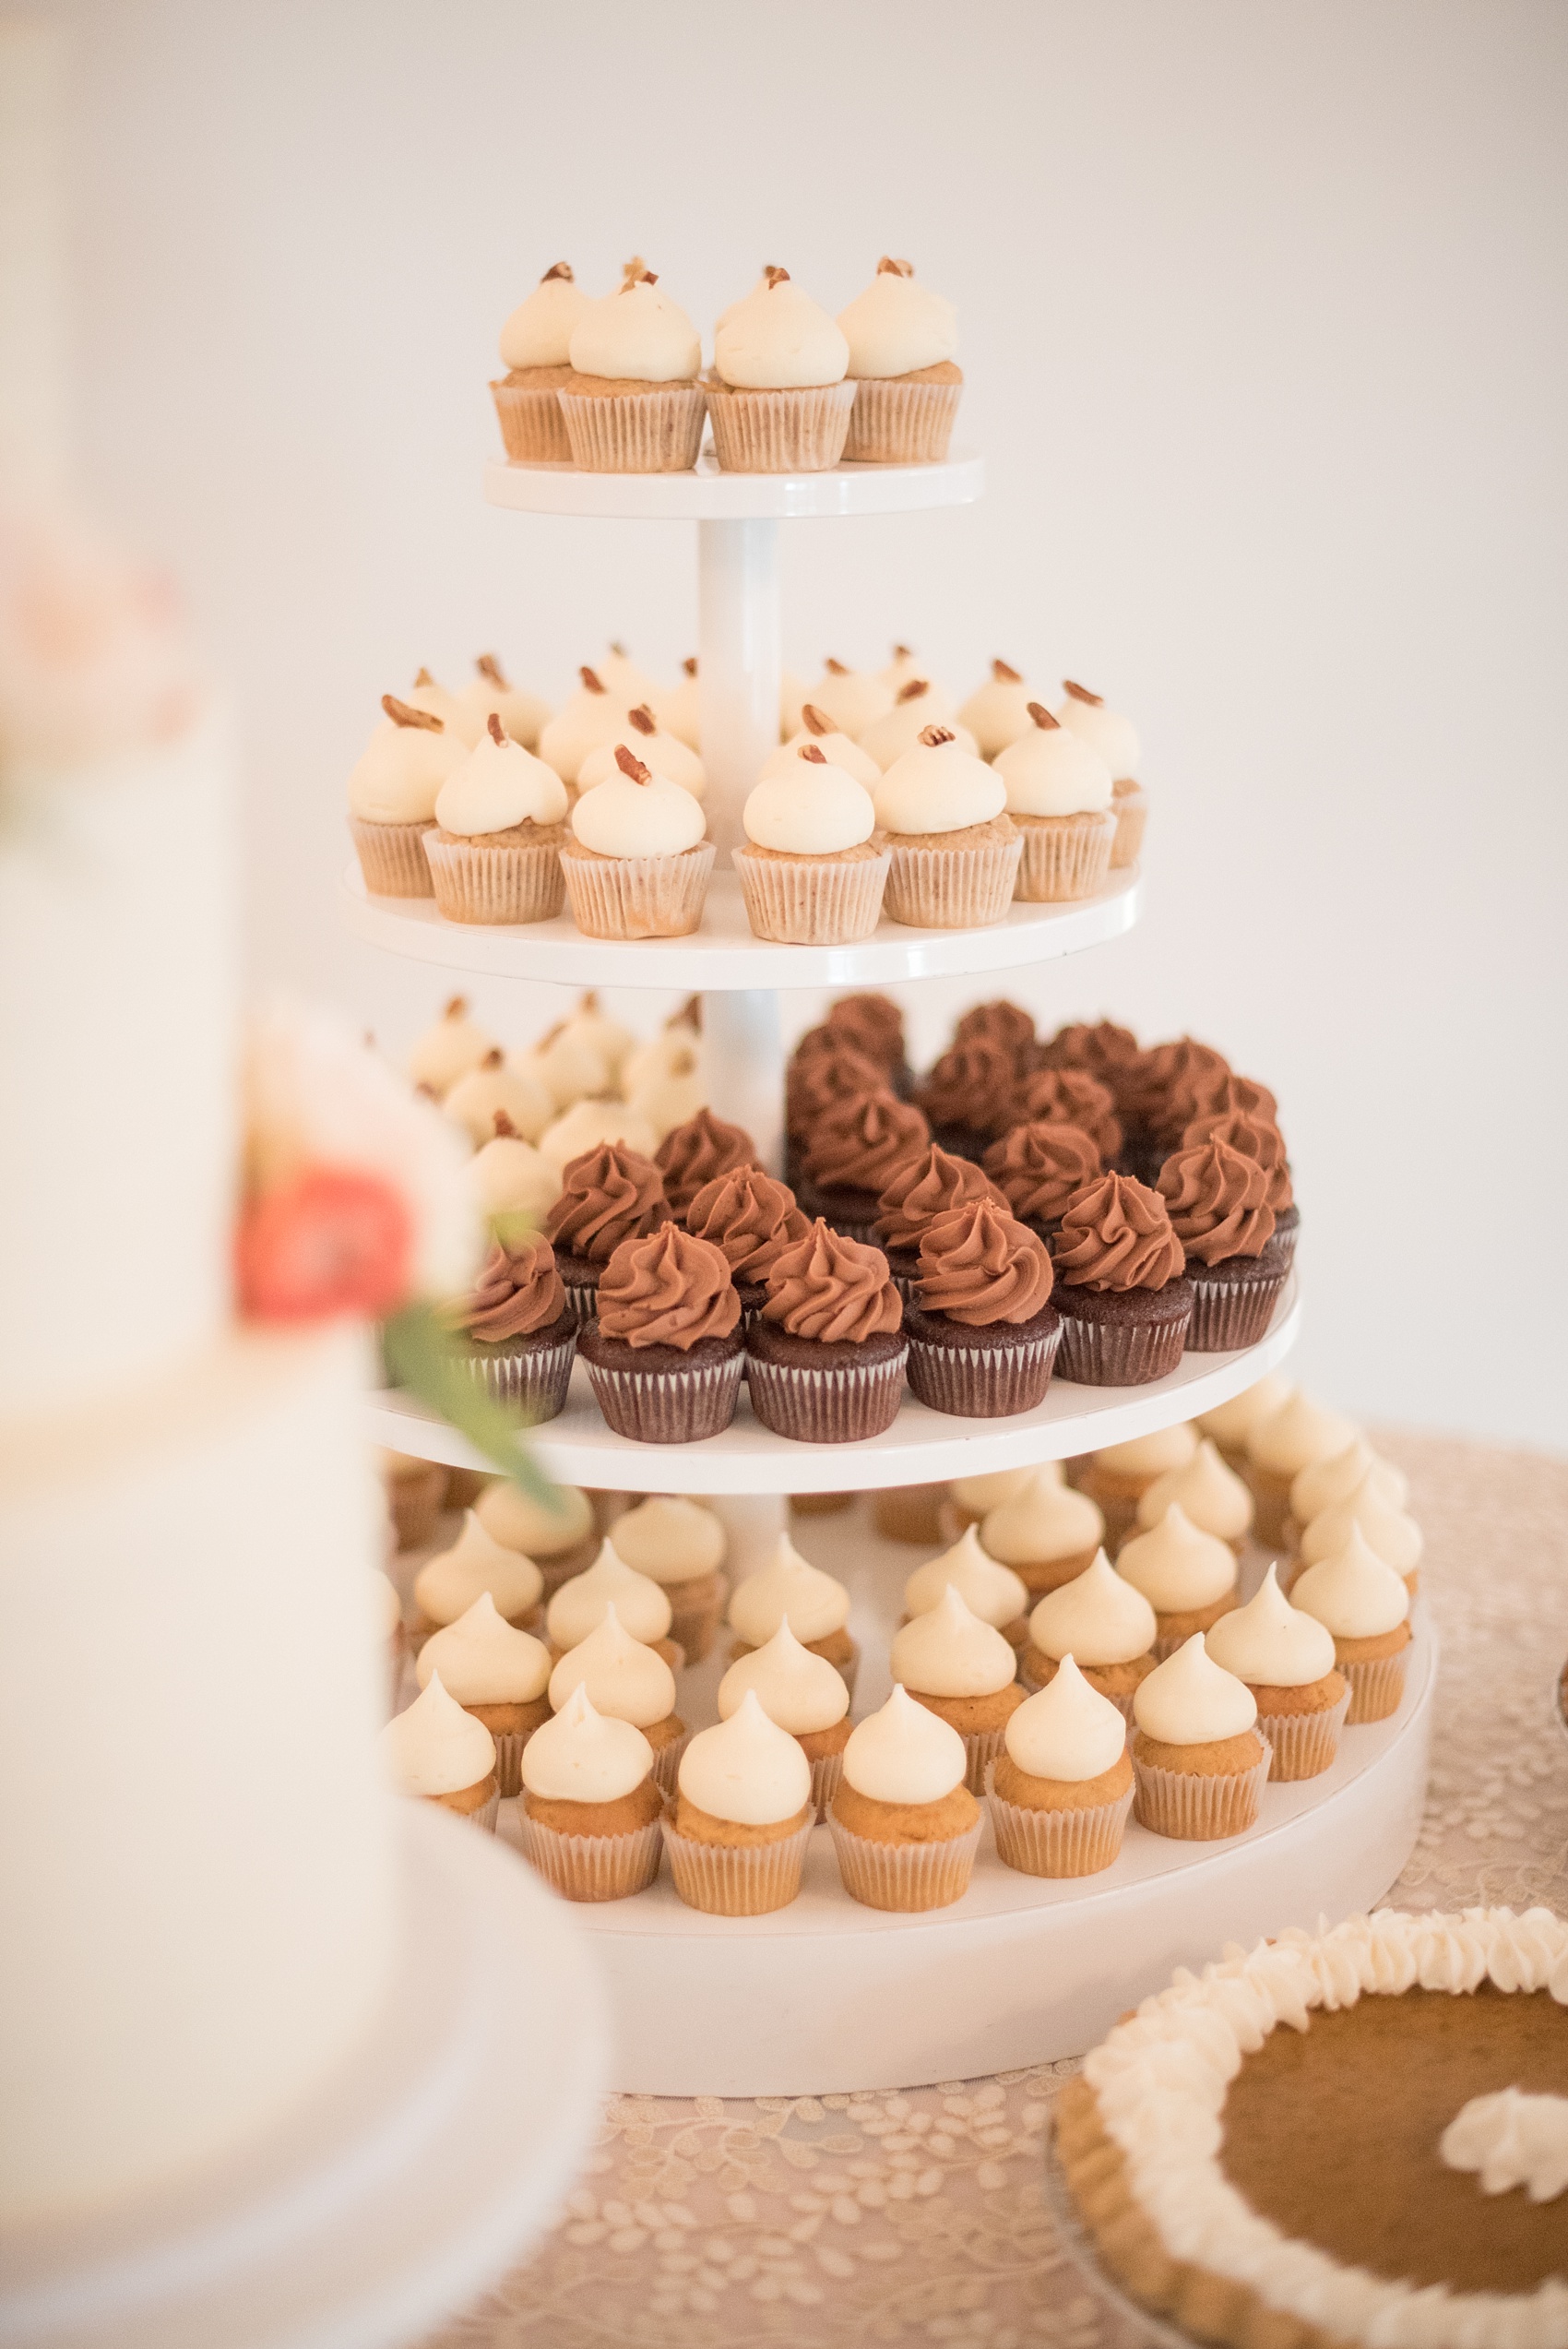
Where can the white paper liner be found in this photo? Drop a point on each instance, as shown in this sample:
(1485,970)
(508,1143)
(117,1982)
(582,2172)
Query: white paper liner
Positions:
(666,1763)
(895,422)
(827,1773)
(981,1749)
(812,900)
(983,1382)
(509,1759)
(593,1867)
(1376,1688)
(668,1406)
(1075,1843)
(781,431)
(1303,1744)
(1131,811)
(841,1404)
(904,1876)
(1200,1810)
(392,857)
(533,430)
(732,1880)
(535,1381)
(640,897)
(634,432)
(951,888)
(1065,857)
(506,881)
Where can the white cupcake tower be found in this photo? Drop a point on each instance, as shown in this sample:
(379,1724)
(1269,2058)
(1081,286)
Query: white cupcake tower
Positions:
(830,1995)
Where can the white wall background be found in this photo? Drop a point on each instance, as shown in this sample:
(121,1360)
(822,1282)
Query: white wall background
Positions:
(1265,339)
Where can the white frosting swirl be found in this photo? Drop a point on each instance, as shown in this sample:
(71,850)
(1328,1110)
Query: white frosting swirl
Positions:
(813,809)
(991,1591)
(938,787)
(515,1519)
(746,1768)
(1113,736)
(581,1604)
(777,339)
(586,718)
(589,1122)
(1191,1701)
(1044,1520)
(1355,1592)
(835,747)
(621,1675)
(670,1540)
(1298,1433)
(474,1099)
(539,331)
(947,1651)
(998,712)
(919,704)
(398,778)
(800,1691)
(1049,772)
(514,1184)
(851,697)
(435,1747)
(1067,1731)
(1151,1456)
(637,335)
(789,1590)
(584,1756)
(447,1585)
(483,1660)
(1211,1494)
(627,817)
(1511,2138)
(448,1048)
(1233,1423)
(665,753)
(982,1494)
(899,325)
(1100,1618)
(1269,1643)
(1323,1481)
(1392,1534)
(906,1753)
(1176,1565)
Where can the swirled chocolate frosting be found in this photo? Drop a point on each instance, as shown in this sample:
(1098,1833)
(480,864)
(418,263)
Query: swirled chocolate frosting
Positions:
(1037,1167)
(1116,1235)
(1184,1070)
(858,1144)
(1254,1139)
(1003,1024)
(1242,1094)
(667,1290)
(1217,1203)
(873,1024)
(832,1290)
(609,1195)
(1099,1047)
(971,1085)
(518,1291)
(692,1155)
(1070,1097)
(751,1216)
(980,1265)
(815,1083)
(923,1189)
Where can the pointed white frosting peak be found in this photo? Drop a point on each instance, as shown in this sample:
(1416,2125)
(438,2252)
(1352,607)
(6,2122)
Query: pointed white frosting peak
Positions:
(583,1756)
(1176,1565)
(435,1747)
(948,1651)
(579,1606)
(1394,1535)
(788,1589)
(1270,1643)
(621,1676)
(1067,1731)
(987,1589)
(1100,1616)
(906,1753)
(447,1585)
(1357,1594)
(746,1768)
(483,1660)
(1191,1701)
(802,1692)
(1212,1496)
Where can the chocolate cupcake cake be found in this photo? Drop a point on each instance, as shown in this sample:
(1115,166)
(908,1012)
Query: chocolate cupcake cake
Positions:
(608,1196)
(693,1154)
(853,1152)
(665,1355)
(984,1333)
(515,1329)
(921,1190)
(1122,1291)
(1003,1024)
(1037,1167)
(753,1218)
(1099,1047)
(1070,1097)
(825,1354)
(1257,1138)
(968,1095)
(1217,1203)
(874,1025)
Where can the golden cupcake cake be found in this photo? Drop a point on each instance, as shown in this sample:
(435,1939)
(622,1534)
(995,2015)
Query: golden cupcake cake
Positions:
(1105,1622)
(1199,1761)
(678,1544)
(742,1816)
(1060,1792)
(1289,1662)
(804,1694)
(963,1671)
(1189,1577)
(905,1826)
(629,1681)
(495,1671)
(1365,1603)
(590,1809)
(442,1753)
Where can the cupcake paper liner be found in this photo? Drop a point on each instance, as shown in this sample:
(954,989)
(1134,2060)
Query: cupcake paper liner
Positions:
(896,421)
(693,1628)
(982,1750)
(1076,1843)
(668,1406)
(593,1867)
(634,432)
(781,431)
(1303,1744)
(840,1404)
(582,1298)
(534,1383)
(392,857)
(828,1771)
(533,430)
(1064,857)
(951,888)
(1376,1688)
(1228,1313)
(1131,811)
(1199,1810)
(509,1761)
(1116,1353)
(1286,1236)
(485,1817)
(640,897)
(904,1876)
(666,1763)
(983,1382)
(734,1879)
(812,900)
(512,881)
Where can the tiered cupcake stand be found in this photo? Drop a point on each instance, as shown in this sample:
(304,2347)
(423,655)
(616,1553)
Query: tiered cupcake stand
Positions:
(827,1995)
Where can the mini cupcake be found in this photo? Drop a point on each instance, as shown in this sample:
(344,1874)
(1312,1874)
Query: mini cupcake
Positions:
(1116,741)
(1045,1532)
(817,731)
(850,698)
(874,1025)
(855,1148)
(643,1607)
(1070,1097)
(1118,1477)
(444,1755)
(825,1354)
(591,716)
(392,795)
(998,712)
(1201,1765)
(813,866)
(1260,1139)
(1121,1290)
(1061,1788)
(695,1152)
(489,693)
(777,397)
(753,1218)
(814,1605)
(589,1124)
(1323,1481)
(1059,795)
(1286,1659)
(1003,1022)
(816,1083)
(968,1095)
(449,1047)
(743,1817)
(1188,1577)
(608,1196)
(918,703)
(534,345)
(446,1586)
(629,1682)
(1385,1526)
(414,1490)
(495,1671)
(991,1592)
(920,1192)
(908,1512)
(982,1332)
(904,1827)
(636,859)
(1231,1425)
(500,824)
(665,1355)
(1212,1496)
(1280,1446)
(1097,1046)
(964,1671)
(516,1331)
(1105,1622)
(568,1063)
(518,1093)
(971,1499)
(1359,1597)
(1037,1166)
(591,1805)
(678,1544)
(1218,1206)
(633,403)
(804,1695)
(903,344)
(956,850)
(559,1538)
(664,752)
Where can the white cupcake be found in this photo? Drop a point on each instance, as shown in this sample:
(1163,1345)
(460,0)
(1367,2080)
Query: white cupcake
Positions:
(903,351)
(1059,795)
(633,403)
(956,850)
(814,867)
(534,345)
(500,822)
(637,860)
(392,795)
(778,397)
(1116,738)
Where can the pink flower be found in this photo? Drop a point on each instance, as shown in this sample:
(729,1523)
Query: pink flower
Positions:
(330,1240)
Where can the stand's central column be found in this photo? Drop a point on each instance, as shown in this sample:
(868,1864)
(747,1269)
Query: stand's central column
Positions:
(738,664)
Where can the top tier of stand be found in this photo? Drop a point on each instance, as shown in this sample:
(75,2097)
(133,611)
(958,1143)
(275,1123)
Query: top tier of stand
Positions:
(708,494)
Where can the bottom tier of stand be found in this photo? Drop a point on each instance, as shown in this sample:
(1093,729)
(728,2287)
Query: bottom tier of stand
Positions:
(424,2166)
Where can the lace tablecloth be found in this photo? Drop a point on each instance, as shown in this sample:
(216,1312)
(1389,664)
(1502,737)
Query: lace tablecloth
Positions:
(831,2220)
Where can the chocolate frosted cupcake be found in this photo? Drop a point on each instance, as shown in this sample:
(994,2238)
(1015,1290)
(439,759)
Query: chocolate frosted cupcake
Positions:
(1002,1022)
(608,1195)
(822,1072)
(852,1155)
(874,1025)
(968,1095)
(692,1155)
(1184,1075)
(1097,1046)
(1069,1097)
(1257,1138)
(753,1219)
(920,1191)
(1122,1292)
(983,1335)
(1218,1206)
(1037,1167)
(825,1356)
(665,1353)
(517,1331)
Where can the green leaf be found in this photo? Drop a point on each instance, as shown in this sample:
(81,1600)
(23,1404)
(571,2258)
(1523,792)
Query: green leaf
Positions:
(421,1358)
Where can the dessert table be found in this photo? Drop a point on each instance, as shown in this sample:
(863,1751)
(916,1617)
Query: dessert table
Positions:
(829,2220)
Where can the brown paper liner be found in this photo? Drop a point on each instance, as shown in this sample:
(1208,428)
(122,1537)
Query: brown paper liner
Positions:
(826,1773)
(1131,811)
(896,421)
(516,881)
(983,1382)
(781,431)
(634,432)
(1199,1810)
(737,1879)
(392,857)
(1076,1843)
(1304,1744)
(904,1876)
(951,888)
(1065,856)
(1376,1688)
(1116,1353)
(1230,1314)
(640,897)
(534,1383)
(533,430)
(840,1404)
(666,1763)
(668,1406)
(812,900)
(593,1867)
